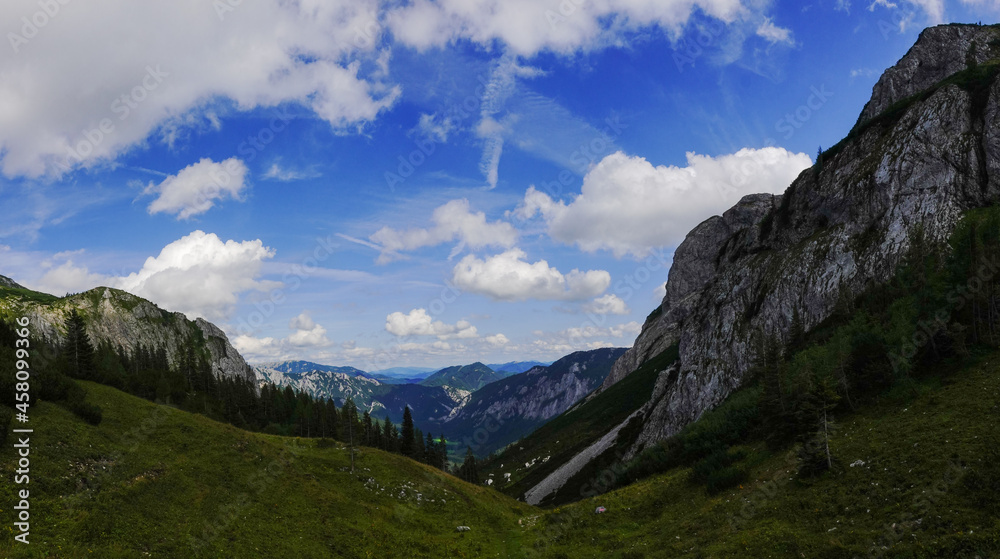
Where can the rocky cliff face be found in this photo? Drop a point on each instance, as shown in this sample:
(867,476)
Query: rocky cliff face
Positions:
(128,321)
(938,53)
(927,148)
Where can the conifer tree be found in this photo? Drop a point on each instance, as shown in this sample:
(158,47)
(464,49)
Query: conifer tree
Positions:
(78,349)
(407,446)
(469,470)
(419,449)
(430,452)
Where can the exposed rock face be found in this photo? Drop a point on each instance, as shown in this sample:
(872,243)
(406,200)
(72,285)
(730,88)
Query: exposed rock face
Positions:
(695,264)
(938,53)
(129,321)
(841,226)
(7,282)
(510,408)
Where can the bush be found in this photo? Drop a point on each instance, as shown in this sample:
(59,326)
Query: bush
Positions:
(90,413)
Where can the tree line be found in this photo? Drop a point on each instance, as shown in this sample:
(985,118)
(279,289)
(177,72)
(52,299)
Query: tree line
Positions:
(191,385)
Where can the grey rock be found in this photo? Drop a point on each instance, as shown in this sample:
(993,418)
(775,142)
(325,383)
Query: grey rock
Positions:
(838,229)
(938,53)
(122,319)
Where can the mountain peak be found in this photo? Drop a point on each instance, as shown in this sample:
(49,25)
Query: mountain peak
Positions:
(7,282)
(938,53)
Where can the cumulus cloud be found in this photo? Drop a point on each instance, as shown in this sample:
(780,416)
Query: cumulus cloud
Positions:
(418,323)
(508,277)
(196,188)
(607,304)
(453,221)
(73,101)
(200,275)
(527,27)
(628,206)
(306,335)
(66,277)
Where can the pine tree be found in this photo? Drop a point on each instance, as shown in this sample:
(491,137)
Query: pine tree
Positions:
(419,448)
(430,452)
(815,414)
(78,349)
(407,446)
(442,454)
(796,332)
(469,470)
(369,437)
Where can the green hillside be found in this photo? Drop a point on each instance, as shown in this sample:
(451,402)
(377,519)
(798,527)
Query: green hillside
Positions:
(154,481)
(150,480)
(463,377)
(575,429)
(918,476)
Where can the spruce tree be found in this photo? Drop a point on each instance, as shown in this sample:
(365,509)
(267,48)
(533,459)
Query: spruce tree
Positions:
(79,351)
(469,470)
(442,454)
(407,445)
(430,451)
(419,449)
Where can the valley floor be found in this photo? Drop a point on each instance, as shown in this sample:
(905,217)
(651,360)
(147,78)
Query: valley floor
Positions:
(917,476)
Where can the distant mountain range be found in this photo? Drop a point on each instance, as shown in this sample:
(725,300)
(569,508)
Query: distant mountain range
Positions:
(514,367)
(463,377)
(456,400)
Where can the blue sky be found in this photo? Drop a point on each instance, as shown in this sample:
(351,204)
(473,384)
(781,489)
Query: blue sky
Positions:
(383,184)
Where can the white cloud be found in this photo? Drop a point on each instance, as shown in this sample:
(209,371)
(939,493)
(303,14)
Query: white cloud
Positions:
(199,275)
(67,277)
(774,34)
(306,336)
(418,323)
(591,331)
(498,340)
(62,96)
(932,9)
(503,81)
(527,27)
(434,127)
(306,332)
(843,6)
(452,221)
(195,188)
(279,173)
(607,304)
(628,206)
(507,277)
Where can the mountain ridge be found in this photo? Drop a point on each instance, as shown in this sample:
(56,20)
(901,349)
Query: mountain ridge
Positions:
(841,226)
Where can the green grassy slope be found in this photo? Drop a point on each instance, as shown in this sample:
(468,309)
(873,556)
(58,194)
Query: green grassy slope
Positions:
(152,481)
(929,486)
(566,435)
